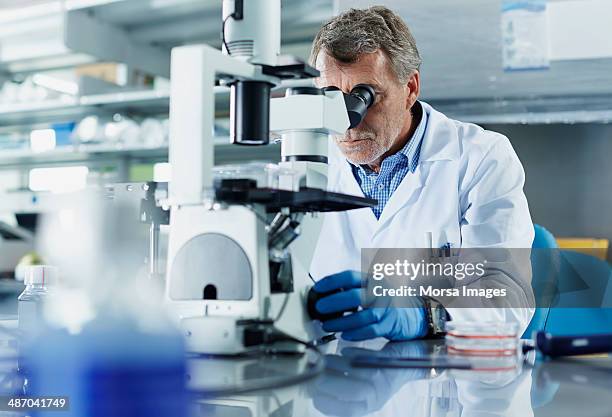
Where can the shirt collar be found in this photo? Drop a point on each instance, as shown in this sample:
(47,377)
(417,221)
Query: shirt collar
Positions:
(412,149)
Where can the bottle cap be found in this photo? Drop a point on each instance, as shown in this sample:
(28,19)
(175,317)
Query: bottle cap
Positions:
(41,274)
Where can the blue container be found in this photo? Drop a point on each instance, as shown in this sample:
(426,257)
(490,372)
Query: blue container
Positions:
(63,131)
(110,369)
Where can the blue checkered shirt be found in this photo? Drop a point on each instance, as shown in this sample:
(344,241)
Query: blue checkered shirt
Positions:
(392,171)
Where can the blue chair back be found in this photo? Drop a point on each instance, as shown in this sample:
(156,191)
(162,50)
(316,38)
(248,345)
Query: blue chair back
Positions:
(585,282)
(544,267)
(561,279)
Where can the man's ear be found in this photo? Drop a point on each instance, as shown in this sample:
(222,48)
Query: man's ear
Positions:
(414,89)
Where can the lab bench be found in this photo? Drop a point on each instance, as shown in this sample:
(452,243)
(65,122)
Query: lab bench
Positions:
(569,387)
(279,385)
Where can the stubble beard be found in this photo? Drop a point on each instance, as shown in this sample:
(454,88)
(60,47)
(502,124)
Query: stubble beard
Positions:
(364,147)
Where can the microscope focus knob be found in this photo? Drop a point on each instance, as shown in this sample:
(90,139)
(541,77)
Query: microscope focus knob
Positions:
(311,301)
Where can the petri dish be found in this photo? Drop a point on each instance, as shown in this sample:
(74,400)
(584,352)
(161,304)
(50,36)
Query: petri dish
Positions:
(482,338)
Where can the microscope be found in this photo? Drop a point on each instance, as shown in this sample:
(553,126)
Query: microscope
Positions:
(239,253)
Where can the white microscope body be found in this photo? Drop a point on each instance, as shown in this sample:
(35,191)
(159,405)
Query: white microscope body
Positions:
(237,274)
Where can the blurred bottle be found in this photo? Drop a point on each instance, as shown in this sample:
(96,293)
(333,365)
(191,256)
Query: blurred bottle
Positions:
(37,279)
(117,354)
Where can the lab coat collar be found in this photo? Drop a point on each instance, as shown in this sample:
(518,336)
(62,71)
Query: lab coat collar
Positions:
(405,194)
(441,142)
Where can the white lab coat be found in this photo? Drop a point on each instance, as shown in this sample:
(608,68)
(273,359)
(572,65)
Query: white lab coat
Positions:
(467,190)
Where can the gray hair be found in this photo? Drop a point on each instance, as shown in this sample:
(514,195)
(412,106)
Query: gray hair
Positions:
(360,31)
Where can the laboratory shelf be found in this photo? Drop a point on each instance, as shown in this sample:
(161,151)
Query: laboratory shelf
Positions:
(135,102)
(32,37)
(34,202)
(73,108)
(138,33)
(70,155)
(141,33)
(225,152)
(529,110)
(565,117)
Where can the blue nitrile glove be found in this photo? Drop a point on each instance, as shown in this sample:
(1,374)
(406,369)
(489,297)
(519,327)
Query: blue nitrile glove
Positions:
(390,322)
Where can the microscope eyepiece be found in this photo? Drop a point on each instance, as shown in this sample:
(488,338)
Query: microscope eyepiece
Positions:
(365,93)
(358,101)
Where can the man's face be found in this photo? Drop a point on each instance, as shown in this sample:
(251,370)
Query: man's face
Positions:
(387,119)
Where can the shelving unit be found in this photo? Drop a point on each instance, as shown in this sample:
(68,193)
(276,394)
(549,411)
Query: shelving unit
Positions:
(531,110)
(38,202)
(141,34)
(32,202)
(140,102)
(137,33)
(71,155)
(99,154)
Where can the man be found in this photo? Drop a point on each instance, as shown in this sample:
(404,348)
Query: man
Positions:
(438,182)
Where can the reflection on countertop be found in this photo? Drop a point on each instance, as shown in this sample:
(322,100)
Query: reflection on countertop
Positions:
(556,388)
(568,387)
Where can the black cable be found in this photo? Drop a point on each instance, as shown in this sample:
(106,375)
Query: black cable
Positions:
(282,309)
(233,15)
(283,337)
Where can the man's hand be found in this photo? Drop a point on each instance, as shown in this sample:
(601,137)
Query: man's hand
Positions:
(366,323)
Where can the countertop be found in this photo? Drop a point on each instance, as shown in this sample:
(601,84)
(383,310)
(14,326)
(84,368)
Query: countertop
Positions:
(530,387)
